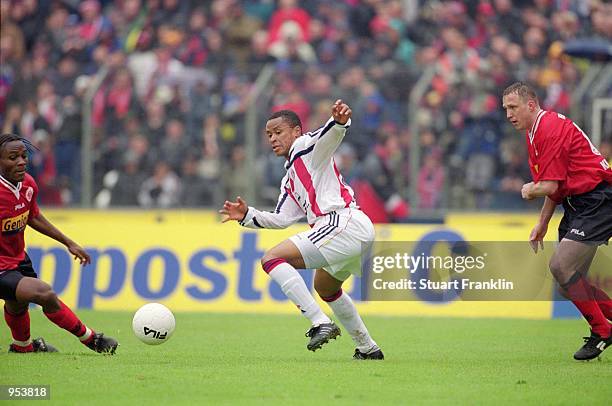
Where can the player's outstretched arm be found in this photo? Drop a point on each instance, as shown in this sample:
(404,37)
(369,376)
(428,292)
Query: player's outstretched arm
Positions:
(234,210)
(44,226)
(328,138)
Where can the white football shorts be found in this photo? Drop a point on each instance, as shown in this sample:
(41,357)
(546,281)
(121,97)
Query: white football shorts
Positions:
(336,242)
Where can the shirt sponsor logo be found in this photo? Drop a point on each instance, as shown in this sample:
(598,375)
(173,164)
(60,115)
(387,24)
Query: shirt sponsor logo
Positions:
(14,225)
(20,206)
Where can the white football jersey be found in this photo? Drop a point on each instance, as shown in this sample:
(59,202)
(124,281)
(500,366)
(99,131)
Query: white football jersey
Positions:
(312,186)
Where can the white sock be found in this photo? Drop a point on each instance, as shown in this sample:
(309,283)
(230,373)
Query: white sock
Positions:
(295,289)
(86,335)
(346,312)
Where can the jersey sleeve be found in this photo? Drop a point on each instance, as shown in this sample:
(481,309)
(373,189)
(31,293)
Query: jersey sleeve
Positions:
(286,213)
(551,147)
(325,140)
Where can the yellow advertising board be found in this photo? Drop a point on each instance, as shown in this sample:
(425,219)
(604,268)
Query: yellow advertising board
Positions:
(191,262)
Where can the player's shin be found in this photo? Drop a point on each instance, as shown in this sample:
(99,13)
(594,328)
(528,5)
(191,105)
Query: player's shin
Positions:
(19,323)
(579,291)
(345,310)
(604,302)
(67,320)
(293,286)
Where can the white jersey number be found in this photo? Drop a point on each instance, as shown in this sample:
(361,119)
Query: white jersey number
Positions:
(593,148)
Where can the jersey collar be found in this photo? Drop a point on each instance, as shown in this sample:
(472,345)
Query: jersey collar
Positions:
(535,125)
(10,186)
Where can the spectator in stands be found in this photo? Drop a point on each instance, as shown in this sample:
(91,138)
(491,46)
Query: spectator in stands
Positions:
(126,190)
(175,145)
(197,191)
(431,181)
(239,32)
(379,167)
(289,11)
(43,167)
(193,50)
(162,190)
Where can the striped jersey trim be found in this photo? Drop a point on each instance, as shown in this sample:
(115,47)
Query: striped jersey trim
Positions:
(320,132)
(282,201)
(10,186)
(298,155)
(333,223)
(535,125)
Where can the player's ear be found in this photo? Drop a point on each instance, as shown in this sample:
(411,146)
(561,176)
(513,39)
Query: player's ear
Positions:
(533,106)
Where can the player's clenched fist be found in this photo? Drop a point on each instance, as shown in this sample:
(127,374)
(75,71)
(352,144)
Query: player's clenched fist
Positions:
(234,210)
(341,112)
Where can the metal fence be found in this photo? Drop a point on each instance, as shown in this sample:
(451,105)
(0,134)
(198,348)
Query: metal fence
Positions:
(404,144)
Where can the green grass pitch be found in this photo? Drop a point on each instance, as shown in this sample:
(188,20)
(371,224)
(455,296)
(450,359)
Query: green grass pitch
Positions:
(262,359)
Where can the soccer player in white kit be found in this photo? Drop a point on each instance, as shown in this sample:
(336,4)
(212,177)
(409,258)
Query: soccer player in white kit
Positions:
(313,187)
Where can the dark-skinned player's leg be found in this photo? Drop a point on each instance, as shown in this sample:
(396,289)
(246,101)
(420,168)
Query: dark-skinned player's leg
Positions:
(17,318)
(36,291)
(280,262)
(16,314)
(568,265)
(330,290)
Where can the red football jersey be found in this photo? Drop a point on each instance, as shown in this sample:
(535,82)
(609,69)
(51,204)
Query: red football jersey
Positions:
(559,150)
(17,206)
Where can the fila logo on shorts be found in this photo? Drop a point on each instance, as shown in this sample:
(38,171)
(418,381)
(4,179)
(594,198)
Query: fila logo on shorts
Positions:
(577,232)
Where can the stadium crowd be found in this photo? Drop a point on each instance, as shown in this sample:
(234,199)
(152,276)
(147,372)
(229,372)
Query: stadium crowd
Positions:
(169,116)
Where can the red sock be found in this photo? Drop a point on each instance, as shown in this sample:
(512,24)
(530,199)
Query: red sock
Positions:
(67,320)
(604,301)
(20,330)
(579,291)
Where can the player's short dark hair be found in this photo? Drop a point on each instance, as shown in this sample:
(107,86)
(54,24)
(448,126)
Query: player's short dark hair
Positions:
(524,91)
(288,116)
(6,138)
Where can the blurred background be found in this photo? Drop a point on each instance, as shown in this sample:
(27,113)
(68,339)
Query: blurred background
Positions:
(162,103)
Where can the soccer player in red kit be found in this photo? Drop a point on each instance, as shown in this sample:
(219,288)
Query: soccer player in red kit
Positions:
(567,169)
(19,284)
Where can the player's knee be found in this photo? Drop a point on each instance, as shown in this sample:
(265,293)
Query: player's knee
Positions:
(271,261)
(16,307)
(45,296)
(323,290)
(556,267)
(269,256)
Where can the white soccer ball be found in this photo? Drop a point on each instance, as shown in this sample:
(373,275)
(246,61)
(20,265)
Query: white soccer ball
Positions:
(153,324)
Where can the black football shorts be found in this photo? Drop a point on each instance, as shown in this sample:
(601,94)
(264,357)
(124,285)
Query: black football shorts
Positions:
(10,278)
(588,216)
